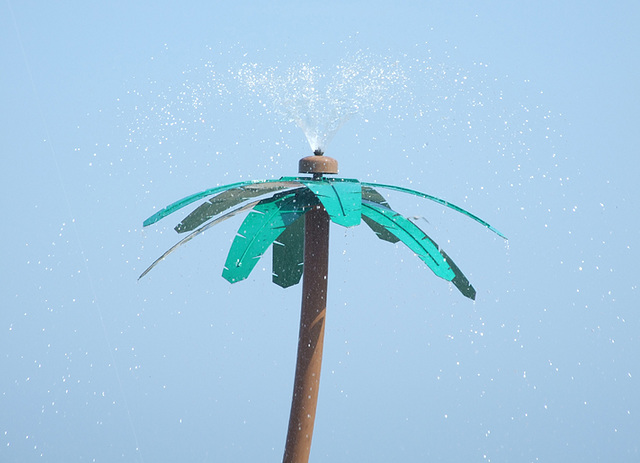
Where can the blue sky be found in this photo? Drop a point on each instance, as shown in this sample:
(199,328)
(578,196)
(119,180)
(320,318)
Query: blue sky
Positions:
(524,113)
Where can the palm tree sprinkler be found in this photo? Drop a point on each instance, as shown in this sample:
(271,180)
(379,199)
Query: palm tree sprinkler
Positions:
(295,219)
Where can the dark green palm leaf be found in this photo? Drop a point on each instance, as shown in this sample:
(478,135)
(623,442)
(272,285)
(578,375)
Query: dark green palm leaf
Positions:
(173,207)
(226,200)
(460,281)
(369,194)
(288,255)
(412,236)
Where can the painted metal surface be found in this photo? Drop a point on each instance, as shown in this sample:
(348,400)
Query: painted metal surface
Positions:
(288,255)
(318,164)
(268,219)
(173,207)
(192,235)
(311,337)
(412,236)
(340,197)
(437,200)
(228,199)
(296,223)
(278,220)
(369,194)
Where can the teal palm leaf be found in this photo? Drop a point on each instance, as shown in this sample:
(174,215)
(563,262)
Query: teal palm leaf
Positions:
(437,200)
(340,197)
(268,219)
(459,281)
(419,242)
(407,232)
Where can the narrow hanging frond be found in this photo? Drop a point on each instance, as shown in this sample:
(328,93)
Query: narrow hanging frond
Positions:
(226,200)
(420,243)
(437,200)
(189,237)
(171,208)
(407,232)
(288,255)
(369,194)
(261,227)
(380,230)
(460,281)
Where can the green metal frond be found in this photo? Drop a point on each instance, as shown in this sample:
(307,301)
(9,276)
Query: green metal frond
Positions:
(420,243)
(369,194)
(437,200)
(189,237)
(459,281)
(228,199)
(341,198)
(261,227)
(278,220)
(407,232)
(171,208)
(288,255)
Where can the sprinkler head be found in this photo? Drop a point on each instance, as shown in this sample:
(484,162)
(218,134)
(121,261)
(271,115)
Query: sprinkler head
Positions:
(318,165)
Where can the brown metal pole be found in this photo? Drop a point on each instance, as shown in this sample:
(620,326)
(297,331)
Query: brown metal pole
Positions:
(310,340)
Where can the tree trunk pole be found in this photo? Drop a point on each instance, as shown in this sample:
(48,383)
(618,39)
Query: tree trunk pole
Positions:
(310,340)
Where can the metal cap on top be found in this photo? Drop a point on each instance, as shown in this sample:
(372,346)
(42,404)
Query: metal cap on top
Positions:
(318,164)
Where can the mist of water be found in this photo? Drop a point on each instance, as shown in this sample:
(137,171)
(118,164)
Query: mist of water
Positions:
(321,101)
(420,108)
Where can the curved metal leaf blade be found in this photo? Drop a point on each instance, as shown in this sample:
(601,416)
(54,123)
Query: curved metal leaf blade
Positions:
(342,198)
(412,236)
(226,200)
(288,255)
(460,281)
(437,200)
(171,208)
(380,231)
(369,194)
(261,227)
(197,232)
(417,240)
